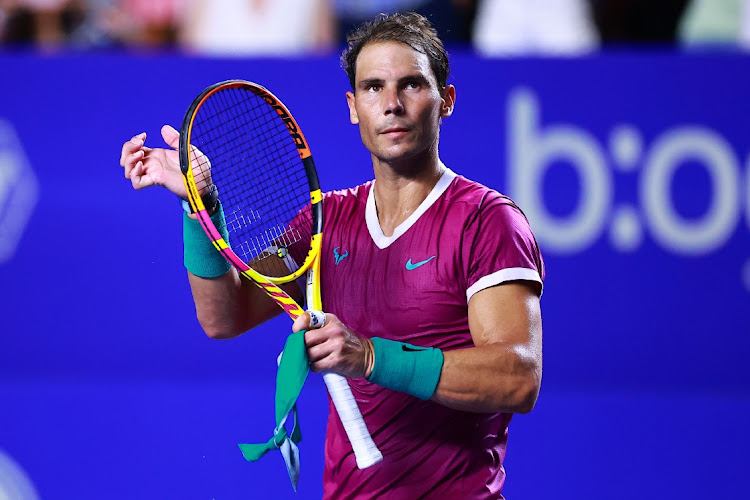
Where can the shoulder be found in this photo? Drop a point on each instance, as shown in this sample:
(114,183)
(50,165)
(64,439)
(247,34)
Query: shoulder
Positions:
(501,244)
(482,201)
(345,204)
(354,195)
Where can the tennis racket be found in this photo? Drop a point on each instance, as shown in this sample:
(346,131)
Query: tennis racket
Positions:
(239,137)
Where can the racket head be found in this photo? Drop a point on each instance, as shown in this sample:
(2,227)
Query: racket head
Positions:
(239,136)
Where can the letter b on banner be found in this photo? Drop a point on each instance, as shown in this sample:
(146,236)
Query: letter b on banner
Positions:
(532,152)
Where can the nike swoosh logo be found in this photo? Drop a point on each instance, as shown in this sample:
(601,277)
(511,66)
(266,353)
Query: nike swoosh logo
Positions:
(406,348)
(411,267)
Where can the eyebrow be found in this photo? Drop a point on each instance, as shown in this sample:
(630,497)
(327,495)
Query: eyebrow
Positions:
(418,77)
(369,82)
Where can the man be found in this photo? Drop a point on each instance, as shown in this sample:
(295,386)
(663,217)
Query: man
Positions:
(433,314)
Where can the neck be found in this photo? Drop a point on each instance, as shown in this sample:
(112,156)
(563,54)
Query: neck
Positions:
(400,190)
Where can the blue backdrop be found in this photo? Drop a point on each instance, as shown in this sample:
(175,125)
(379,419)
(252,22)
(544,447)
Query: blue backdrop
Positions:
(632,167)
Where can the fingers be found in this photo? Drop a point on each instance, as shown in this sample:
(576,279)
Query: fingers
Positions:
(132,153)
(135,174)
(301,323)
(171,136)
(325,356)
(310,320)
(131,161)
(138,177)
(334,348)
(132,158)
(324,344)
(133,145)
(317,335)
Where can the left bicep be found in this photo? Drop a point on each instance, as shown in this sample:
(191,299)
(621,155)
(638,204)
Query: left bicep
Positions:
(503,373)
(510,314)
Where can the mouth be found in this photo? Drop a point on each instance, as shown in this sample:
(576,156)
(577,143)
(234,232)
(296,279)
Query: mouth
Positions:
(394,131)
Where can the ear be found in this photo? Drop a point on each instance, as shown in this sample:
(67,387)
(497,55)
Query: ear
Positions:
(351,101)
(449,100)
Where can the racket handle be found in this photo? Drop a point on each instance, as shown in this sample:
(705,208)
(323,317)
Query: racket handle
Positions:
(365,451)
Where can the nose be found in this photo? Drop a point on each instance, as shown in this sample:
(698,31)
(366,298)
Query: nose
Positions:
(393,104)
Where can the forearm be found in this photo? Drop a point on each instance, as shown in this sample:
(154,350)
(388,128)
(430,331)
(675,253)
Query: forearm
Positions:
(501,373)
(217,304)
(490,378)
(226,304)
(230,305)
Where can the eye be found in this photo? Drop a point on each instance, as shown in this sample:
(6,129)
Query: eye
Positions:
(412,85)
(375,87)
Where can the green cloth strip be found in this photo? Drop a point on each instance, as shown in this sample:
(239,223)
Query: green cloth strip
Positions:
(293,369)
(254,452)
(200,255)
(406,367)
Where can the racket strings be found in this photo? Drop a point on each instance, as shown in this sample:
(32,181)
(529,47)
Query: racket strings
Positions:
(245,149)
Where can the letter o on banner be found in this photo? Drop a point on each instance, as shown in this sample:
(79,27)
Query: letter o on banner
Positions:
(669,229)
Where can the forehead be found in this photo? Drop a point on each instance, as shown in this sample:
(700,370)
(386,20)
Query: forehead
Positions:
(384,60)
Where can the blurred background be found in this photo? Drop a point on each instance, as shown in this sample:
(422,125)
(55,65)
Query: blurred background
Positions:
(318,27)
(619,126)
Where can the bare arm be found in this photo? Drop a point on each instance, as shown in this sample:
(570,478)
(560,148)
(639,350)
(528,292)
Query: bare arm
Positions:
(230,305)
(503,372)
(226,306)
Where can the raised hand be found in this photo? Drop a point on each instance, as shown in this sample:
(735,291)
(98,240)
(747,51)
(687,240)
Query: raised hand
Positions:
(154,166)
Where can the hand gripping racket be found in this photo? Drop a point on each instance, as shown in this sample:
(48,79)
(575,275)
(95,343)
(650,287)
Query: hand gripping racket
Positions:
(239,137)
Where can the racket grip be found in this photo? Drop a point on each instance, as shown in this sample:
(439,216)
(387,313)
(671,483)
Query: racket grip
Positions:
(365,451)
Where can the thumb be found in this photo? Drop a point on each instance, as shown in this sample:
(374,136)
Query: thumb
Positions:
(301,323)
(309,320)
(171,136)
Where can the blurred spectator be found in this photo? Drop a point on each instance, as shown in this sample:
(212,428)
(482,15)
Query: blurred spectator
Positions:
(350,13)
(298,27)
(91,23)
(43,23)
(150,23)
(628,21)
(519,27)
(716,22)
(98,25)
(267,27)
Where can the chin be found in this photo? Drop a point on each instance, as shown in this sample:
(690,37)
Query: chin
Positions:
(398,152)
(395,156)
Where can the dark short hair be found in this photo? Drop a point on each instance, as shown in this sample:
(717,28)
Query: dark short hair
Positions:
(409,28)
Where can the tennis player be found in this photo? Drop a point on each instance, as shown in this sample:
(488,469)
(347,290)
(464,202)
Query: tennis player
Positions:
(430,283)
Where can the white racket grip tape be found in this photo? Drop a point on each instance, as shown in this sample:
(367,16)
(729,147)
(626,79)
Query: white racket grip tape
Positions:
(317,319)
(365,451)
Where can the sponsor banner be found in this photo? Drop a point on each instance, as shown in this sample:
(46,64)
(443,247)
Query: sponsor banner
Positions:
(633,168)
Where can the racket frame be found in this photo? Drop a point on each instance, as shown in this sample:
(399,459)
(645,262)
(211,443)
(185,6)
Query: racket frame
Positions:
(196,203)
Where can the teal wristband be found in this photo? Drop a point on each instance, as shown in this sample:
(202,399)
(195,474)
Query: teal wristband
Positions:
(201,257)
(406,368)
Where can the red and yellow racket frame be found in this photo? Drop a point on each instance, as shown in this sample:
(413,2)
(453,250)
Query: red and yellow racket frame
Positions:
(312,263)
